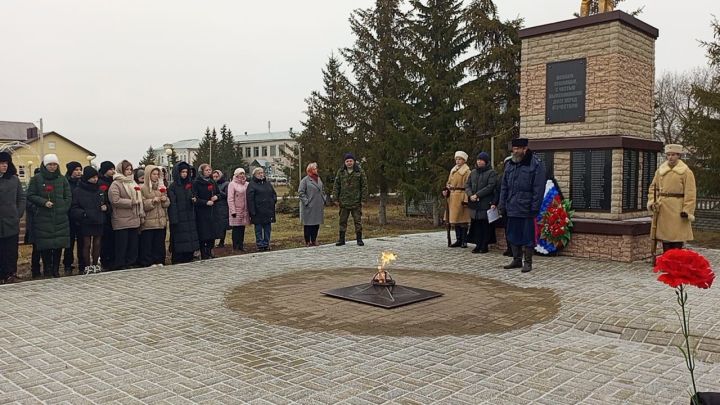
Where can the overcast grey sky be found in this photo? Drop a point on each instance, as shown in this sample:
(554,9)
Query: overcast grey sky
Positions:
(117,76)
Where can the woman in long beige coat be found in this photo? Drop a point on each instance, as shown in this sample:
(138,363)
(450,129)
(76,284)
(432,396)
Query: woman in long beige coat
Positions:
(457,199)
(674,204)
(154,228)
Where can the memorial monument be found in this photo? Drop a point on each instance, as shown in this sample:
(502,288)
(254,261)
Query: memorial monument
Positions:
(586,104)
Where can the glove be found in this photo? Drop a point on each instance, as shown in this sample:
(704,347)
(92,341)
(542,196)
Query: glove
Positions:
(234,215)
(683,215)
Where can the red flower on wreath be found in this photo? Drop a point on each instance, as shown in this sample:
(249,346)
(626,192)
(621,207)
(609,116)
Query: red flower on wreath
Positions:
(49,188)
(210,187)
(188,186)
(103,187)
(682,266)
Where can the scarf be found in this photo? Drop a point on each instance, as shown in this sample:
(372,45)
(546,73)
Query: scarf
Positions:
(239,181)
(314,177)
(128,182)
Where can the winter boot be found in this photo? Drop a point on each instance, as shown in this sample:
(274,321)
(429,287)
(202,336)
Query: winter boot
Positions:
(359,239)
(463,237)
(517,258)
(458,238)
(341,239)
(528,253)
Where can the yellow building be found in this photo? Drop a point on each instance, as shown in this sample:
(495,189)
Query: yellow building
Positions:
(28,158)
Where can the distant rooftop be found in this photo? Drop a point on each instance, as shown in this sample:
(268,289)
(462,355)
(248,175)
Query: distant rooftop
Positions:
(184,144)
(263,137)
(15,131)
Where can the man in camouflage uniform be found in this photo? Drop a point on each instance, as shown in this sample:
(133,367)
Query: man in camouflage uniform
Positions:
(350,191)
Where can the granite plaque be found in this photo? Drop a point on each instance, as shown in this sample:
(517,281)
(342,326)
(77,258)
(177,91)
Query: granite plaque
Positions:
(591,179)
(565,91)
(648,172)
(547,157)
(631,175)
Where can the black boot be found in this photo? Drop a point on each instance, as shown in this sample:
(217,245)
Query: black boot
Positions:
(528,253)
(341,239)
(359,239)
(458,238)
(463,237)
(517,258)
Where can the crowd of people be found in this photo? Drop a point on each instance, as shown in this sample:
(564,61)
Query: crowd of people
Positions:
(117,217)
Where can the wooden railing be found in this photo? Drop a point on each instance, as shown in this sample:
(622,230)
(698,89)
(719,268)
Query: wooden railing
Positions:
(708,203)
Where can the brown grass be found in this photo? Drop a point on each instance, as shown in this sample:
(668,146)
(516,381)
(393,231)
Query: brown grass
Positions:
(707,239)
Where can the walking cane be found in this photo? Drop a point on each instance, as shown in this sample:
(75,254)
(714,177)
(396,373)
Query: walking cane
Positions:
(653,227)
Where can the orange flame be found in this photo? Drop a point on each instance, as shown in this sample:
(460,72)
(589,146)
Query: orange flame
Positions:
(385,259)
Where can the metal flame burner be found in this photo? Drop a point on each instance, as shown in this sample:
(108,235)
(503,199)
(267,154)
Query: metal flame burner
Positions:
(382,291)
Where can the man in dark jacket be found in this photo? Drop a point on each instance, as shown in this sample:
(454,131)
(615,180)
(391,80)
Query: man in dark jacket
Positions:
(12,207)
(350,191)
(107,249)
(521,195)
(73,174)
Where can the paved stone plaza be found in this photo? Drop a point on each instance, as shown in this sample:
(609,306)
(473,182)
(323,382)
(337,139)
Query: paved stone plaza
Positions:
(186,334)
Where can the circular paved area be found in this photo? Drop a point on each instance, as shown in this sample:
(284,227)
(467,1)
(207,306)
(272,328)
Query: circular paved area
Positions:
(471,305)
(167,336)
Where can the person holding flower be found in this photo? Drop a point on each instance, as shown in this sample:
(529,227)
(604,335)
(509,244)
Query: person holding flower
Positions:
(521,195)
(181,214)
(671,199)
(49,192)
(458,214)
(237,207)
(221,211)
(206,194)
(127,215)
(105,179)
(88,211)
(153,229)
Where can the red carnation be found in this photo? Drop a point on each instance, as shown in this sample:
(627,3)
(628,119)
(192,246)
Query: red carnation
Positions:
(210,187)
(49,188)
(162,189)
(103,187)
(188,186)
(137,188)
(683,266)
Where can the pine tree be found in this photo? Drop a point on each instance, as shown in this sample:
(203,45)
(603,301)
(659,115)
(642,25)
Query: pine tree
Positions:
(226,159)
(439,41)
(491,94)
(149,158)
(705,123)
(207,148)
(381,115)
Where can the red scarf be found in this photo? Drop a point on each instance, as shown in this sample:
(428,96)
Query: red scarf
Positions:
(314,177)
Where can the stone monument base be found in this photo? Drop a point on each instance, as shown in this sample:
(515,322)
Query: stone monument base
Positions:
(622,241)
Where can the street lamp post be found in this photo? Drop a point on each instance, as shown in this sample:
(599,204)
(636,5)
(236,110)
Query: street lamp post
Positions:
(168,153)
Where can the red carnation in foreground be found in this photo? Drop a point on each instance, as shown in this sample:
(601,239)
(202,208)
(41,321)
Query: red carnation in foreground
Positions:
(210,187)
(49,188)
(137,188)
(683,266)
(103,187)
(162,189)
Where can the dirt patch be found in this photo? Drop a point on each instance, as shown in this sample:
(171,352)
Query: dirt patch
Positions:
(471,305)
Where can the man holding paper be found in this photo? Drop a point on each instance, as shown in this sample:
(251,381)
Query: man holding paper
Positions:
(480,189)
(521,195)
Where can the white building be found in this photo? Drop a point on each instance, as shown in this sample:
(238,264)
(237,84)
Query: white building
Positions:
(185,151)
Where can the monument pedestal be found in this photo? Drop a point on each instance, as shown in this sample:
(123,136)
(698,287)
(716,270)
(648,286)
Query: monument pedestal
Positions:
(586,104)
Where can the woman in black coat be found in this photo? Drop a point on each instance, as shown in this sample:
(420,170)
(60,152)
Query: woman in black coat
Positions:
(261,199)
(221,207)
(206,194)
(88,213)
(480,189)
(181,213)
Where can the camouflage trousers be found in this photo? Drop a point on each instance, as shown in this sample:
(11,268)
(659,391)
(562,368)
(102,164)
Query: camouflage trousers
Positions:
(357,216)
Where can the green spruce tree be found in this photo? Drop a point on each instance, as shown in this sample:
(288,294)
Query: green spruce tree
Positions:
(439,42)
(149,158)
(382,117)
(705,123)
(207,148)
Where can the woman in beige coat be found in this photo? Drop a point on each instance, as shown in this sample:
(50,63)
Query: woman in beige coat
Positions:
(454,191)
(127,214)
(672,199)
(153,229)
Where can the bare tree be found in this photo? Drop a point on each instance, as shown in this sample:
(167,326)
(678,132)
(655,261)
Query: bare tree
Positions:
(674,102)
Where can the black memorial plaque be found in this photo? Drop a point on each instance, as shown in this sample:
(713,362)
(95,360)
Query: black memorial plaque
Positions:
(591,179)
(565,91)
(547,157)
(648,172)
(631,167)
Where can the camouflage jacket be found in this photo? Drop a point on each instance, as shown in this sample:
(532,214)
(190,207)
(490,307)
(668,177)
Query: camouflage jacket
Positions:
(350,188)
